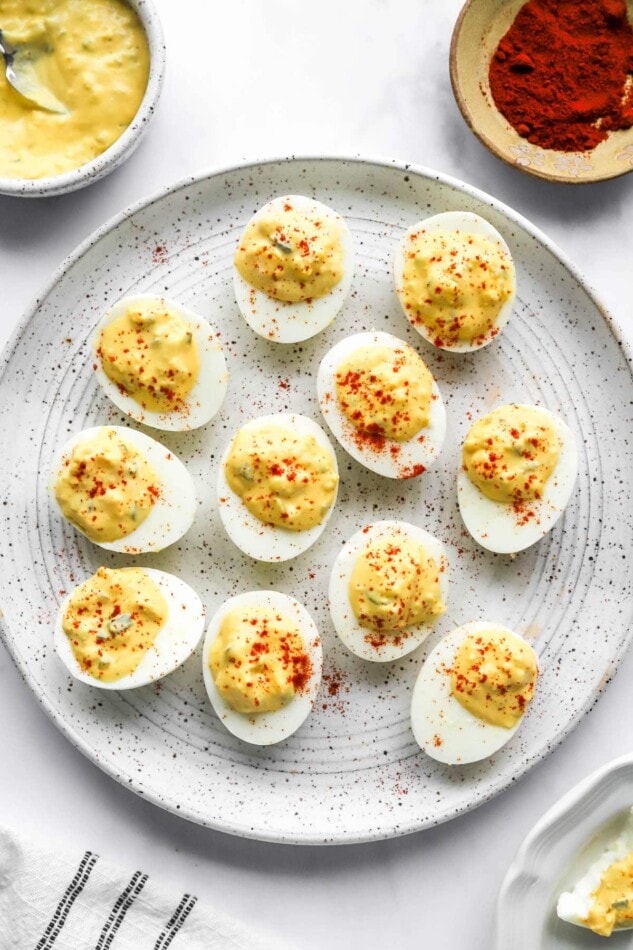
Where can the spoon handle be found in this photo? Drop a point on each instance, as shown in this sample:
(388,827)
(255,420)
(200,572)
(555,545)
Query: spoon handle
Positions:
(7,50)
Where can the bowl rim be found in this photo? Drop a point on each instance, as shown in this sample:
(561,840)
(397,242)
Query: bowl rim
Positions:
(122,147)
(490,143)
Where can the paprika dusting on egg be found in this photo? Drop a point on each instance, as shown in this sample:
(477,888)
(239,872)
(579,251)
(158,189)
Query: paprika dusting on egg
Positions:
(494,675)
(385,393)
(258,660)
(562,74)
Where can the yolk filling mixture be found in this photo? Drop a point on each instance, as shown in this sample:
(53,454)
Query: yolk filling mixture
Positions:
(494,676)
(258,660)
(291,255)
(112,620)
(93,57)
(395,584)
(455,285)
(283,479)
(150,354)
(385,392)
(613,899)
(510,453)
(106,488)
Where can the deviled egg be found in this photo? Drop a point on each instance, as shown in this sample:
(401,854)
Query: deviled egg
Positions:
(277,484)
(388,588)
(382,404)
(519,466)
(293,268)
(602,899)
(455,280)
(160,363)
(123,490)
(472,692)
(261,663)
(127,627)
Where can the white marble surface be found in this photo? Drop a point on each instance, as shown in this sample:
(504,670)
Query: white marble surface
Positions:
(247,80)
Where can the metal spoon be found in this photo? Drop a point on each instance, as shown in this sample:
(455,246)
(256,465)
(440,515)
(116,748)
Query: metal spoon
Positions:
(22,74)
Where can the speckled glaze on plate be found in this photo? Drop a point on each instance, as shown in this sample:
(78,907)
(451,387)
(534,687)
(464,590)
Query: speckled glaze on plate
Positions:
(555,854)
(353,771)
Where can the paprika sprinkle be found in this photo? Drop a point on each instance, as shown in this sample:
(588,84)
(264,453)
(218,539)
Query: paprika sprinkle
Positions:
(562,75)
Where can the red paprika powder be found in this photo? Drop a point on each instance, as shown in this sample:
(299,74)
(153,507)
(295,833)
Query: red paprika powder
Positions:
(562,74)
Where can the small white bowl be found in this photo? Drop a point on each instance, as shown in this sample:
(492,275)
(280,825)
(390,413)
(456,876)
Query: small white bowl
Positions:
(126,143)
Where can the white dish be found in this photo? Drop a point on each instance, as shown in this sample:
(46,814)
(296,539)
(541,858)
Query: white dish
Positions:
(127,142)
(343,776)
(555,854)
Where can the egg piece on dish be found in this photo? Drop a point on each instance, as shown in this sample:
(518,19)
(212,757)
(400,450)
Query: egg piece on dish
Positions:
(293,268)
(262,663)
(160,363)
(123,490)
(382,404)
(388,587)
(472,692)
(455,280)
(127,627)
(602,899)
(277,484)
(519,466)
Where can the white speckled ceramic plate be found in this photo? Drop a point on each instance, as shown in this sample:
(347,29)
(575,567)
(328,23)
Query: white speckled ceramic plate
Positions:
(556,853)
(353,771)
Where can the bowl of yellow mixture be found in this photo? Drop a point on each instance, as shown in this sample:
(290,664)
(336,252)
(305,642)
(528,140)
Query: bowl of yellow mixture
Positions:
(104,60)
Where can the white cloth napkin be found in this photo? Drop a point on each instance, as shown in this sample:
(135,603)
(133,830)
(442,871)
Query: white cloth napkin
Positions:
(55,901)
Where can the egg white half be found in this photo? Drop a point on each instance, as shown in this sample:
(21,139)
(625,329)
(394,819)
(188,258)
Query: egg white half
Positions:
(269,727)
(268,542)
(205,398)
(496,526)
(469,223)
(366,643)
(173,512)
(575,905)
(283,321)
(389,458)
(174,644)
(441,726)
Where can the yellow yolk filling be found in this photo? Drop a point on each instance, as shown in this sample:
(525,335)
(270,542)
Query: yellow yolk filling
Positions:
(112,620)
(150,354)
(385,392)
(106,488)
(613,899)
(258,660)
(494,675)
(283,479)
(510,453)
(291,255)
(395,584)
(93,56)
(455,284)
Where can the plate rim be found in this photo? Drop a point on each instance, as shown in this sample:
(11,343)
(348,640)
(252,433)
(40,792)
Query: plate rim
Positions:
(391,164)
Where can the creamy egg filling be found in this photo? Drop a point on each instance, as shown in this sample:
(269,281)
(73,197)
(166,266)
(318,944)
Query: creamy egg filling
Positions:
(612,901)
(94,57)
(150,354)
(385,392)
(112,620)
(258,660)
(510,453)
(291,255)
(106,488)
(395,584)
(494,675)
(455,284)
(283,478)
